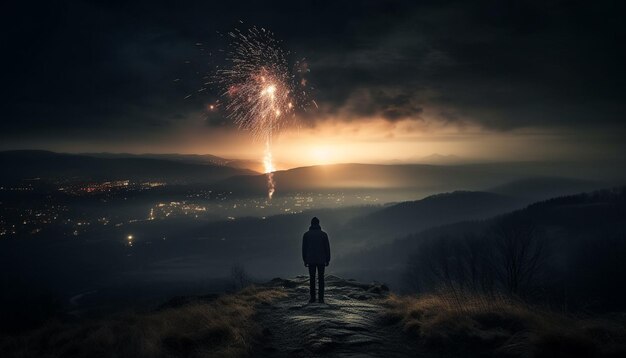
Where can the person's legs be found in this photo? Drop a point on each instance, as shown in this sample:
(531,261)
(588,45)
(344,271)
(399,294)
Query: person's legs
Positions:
(320,272)
(312,281)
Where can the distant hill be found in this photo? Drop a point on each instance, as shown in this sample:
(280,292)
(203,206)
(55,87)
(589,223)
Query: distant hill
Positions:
(437,158)
(541,188)
(49,165)
(186,158)
(407,180)
(430,178)
(585,233)
(423,178)
(414,216)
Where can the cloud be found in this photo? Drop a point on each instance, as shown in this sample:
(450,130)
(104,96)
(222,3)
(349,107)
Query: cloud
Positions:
(98,68)
(500,65)
(389,104)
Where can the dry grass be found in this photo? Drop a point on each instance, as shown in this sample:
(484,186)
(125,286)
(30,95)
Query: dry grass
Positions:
(497,326)
(222,328)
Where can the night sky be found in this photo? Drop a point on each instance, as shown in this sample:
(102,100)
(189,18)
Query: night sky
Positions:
(477,79)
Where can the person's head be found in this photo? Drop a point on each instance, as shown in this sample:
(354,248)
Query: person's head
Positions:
(315,221)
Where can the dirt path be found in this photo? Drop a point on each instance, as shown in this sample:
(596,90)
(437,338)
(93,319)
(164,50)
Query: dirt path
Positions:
(350,324)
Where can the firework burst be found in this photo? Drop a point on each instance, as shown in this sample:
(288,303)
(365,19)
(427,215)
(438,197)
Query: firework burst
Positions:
(261,90)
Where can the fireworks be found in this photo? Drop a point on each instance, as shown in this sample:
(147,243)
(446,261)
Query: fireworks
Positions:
(261,90)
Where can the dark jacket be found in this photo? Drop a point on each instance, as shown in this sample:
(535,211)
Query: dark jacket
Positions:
(315,246)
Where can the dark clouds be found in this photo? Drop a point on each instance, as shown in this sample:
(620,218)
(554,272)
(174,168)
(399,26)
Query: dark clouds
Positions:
(96,68)
(390,104)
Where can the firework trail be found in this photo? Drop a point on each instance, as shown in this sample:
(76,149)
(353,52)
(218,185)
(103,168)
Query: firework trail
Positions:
(262,92)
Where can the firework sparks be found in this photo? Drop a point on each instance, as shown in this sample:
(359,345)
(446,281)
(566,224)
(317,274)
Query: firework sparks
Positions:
(268,165)
(262,93)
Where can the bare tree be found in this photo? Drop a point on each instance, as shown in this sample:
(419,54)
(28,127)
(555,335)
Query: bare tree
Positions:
(509,259)
(477,263)
(440,265)
(430,265)
(519,253)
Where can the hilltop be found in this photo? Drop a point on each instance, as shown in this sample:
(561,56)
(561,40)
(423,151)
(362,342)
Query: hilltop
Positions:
(358,320)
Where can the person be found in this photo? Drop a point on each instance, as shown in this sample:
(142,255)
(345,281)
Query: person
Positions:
(316,256)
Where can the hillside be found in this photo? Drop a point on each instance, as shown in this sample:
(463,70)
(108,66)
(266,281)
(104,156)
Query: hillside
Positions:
(186,158)
(358,320)
(542,188)
(270,320)
(49,165)
(577,215)
(421,179)
(372,176)
(583,237)
(413,216)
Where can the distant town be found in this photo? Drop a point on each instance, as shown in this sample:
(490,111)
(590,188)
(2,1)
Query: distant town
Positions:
(74,208)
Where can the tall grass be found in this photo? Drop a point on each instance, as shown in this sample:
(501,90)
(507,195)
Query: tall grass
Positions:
(222,328)
(500,326)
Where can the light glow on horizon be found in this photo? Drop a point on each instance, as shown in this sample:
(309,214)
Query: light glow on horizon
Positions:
(321,154)
(377,141)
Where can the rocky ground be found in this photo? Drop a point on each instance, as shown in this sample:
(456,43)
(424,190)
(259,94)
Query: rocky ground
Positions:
(349,324)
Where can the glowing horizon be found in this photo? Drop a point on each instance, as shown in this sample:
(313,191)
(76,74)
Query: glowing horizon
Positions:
(375,141)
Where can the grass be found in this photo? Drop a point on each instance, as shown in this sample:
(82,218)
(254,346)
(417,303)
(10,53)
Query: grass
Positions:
(221,328)
(477,325)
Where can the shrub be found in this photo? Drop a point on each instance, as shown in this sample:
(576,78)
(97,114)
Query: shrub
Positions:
(500,326)
(221,328)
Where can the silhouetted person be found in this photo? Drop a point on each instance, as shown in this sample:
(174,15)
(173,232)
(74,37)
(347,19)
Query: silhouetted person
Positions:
(316,256)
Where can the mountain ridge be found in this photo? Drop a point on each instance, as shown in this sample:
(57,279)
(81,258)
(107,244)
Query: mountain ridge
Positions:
(51,165)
